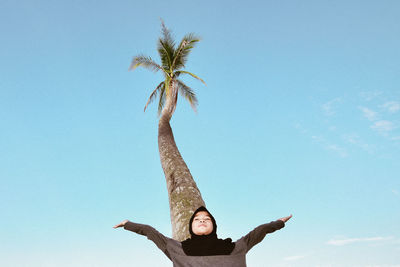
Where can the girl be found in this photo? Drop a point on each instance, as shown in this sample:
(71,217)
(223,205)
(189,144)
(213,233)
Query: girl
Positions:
(204,248)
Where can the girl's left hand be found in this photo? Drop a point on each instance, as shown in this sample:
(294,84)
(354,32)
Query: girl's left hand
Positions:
(121,224)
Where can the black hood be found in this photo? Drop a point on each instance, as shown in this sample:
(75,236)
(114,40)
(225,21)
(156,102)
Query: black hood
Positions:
(214,231)
(206,245)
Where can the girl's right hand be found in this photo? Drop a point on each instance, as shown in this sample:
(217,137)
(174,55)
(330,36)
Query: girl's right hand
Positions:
(285,219)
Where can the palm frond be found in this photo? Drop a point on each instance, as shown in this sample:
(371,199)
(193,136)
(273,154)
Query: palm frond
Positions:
(166,34)
(179,72)
(146,62)
(154,94)
(166,53)
(166,47)
(182,52)
(161,101)
(188,94)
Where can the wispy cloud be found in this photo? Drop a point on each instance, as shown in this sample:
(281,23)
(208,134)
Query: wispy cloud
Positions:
(301,129)
(329,107)
(383,126)
(330,146)
(295,257)
(392,106)
(368,96)
(322,141)
(339,150)
(346,241)
(355,140)
(368,113)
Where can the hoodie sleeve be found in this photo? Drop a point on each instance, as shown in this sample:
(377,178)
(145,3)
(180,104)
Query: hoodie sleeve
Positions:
(152,234)
(258,234)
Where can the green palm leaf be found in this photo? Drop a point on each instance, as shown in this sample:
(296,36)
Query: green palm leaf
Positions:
(188,94)
(154,94)
(161,101)
(179,72)
(166,47)
(145,62)
(184,49)
(166,54)
(166,34)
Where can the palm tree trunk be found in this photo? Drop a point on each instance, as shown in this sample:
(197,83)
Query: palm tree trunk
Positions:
(184,196)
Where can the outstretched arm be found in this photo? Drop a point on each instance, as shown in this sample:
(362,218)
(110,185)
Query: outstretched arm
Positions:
(152,234)
(258,234)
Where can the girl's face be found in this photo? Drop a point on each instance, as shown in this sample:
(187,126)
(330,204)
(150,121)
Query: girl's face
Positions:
(202,223)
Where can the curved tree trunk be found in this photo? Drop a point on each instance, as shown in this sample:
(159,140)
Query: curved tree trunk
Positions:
(184,196)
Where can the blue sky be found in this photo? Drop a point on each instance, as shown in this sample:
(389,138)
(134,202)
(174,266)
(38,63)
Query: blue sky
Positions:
(300,115)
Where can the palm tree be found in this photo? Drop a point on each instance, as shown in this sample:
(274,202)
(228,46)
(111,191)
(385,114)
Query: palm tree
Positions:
(184,196)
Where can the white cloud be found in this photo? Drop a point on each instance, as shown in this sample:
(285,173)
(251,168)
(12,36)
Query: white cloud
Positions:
(329,108)
(339,150)
(299,127)
(354,139)
(342,152)
(346,241)
(295,258)
(383,126)
(329,146)
(368,96)
(368,113)
(392,106)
